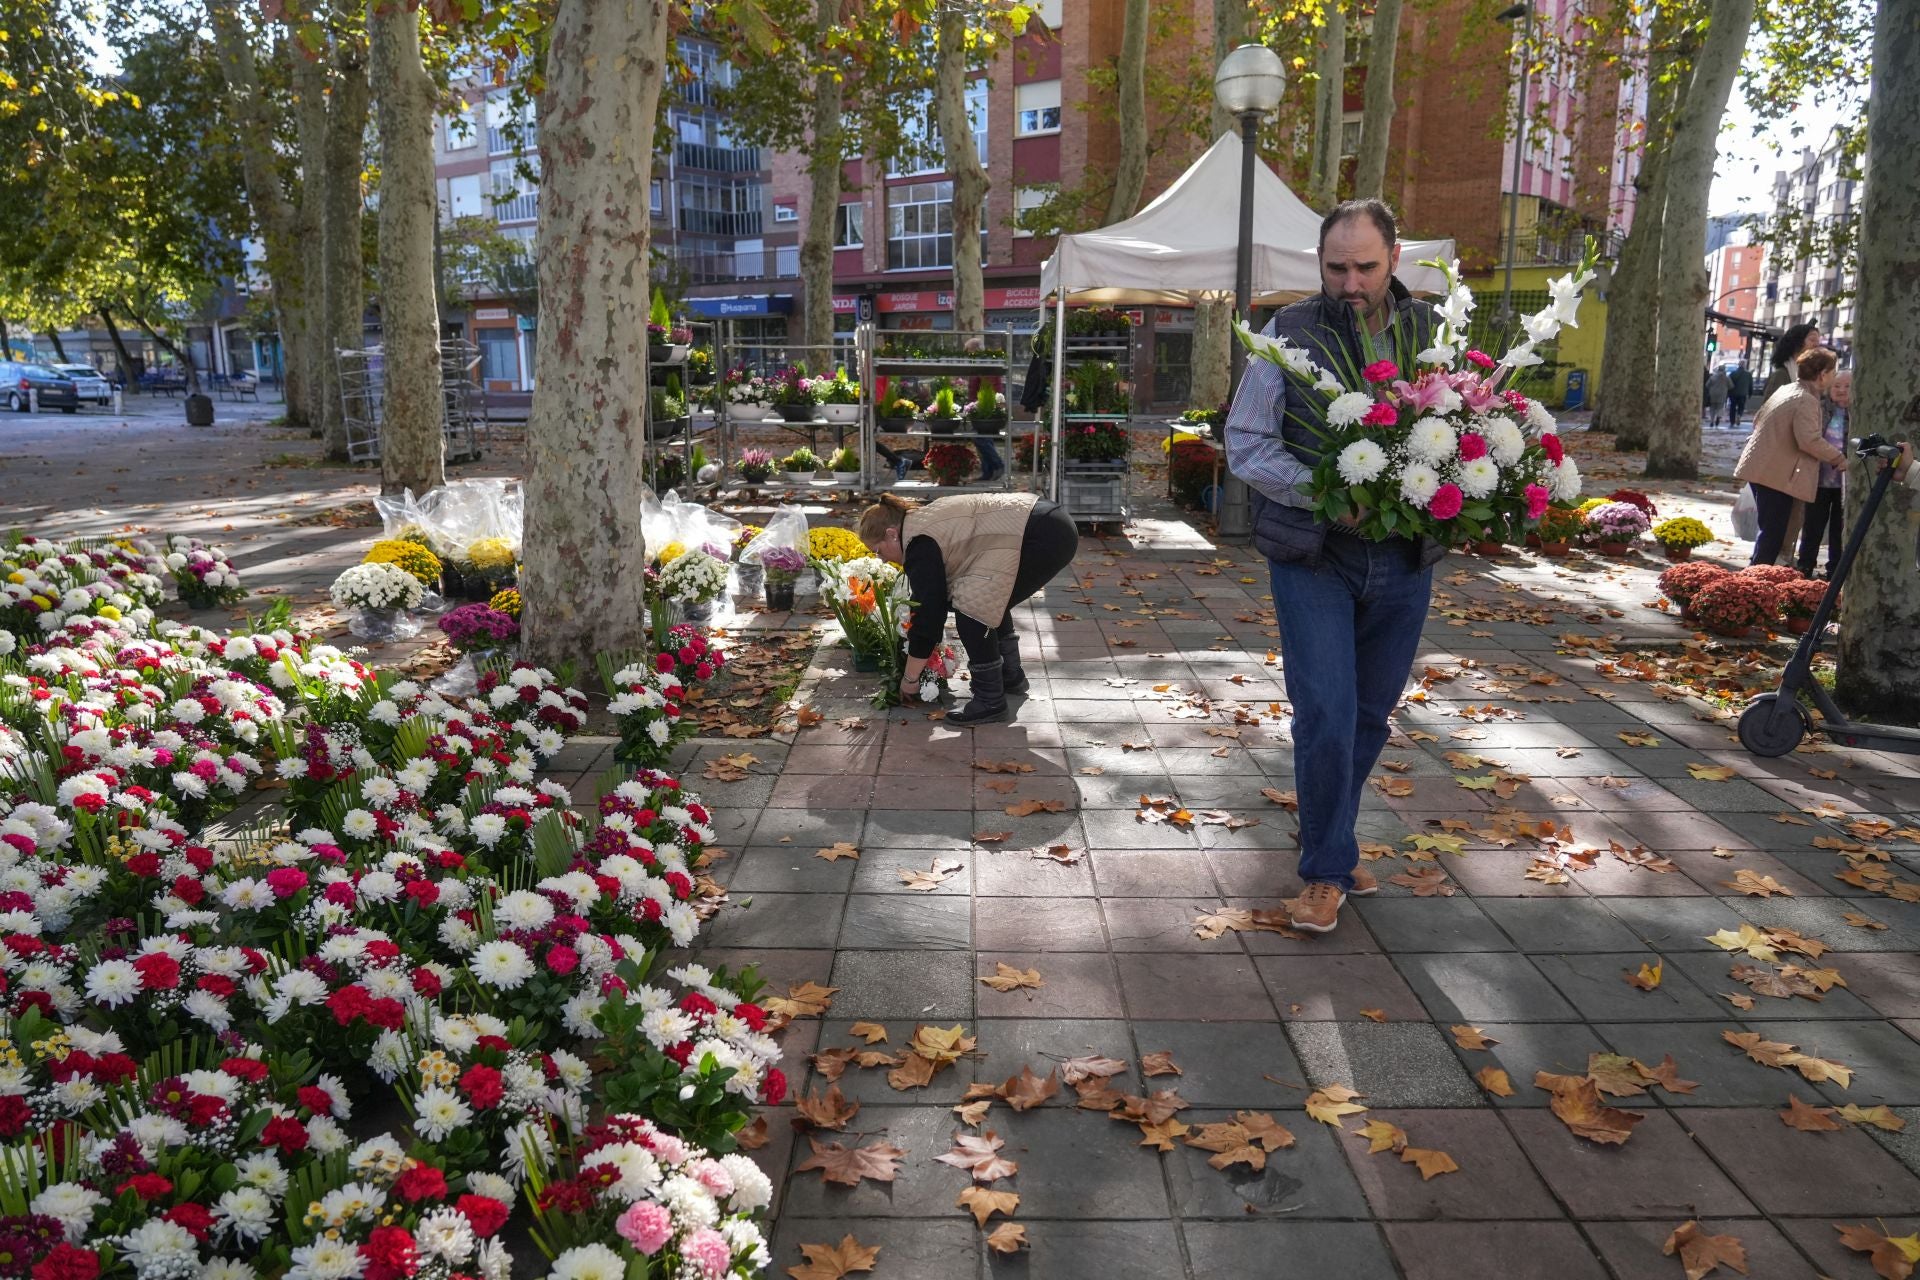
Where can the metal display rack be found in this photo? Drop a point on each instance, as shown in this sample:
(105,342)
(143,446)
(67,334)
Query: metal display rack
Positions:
(683,433)
(363,400)
(997,363)
(1090,491)
(763,357)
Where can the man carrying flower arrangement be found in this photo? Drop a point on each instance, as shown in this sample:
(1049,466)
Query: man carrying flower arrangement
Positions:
(1369,453)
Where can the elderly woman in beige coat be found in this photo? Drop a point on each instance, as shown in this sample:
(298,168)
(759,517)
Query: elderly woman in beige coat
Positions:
(1781,462)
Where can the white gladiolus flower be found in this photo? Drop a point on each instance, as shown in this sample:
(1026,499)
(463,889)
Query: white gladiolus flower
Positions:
(1479,477)
(1361,461)
(1348,409)
(1418,481)
(1440,353)
(1432,441)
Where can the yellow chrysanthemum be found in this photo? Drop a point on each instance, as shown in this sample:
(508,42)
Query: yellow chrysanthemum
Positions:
(828,543)
(490,554)
(409,556)
(110,613)
(671,552)
(507,602)
(16,576)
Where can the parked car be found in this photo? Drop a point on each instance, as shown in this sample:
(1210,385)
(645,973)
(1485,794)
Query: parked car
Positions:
(91,384)
(18,378)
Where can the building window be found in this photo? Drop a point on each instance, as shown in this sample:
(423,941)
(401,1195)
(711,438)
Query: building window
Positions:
(499,354)
(507,131)
(1025,199)
(920,226)
(1350,129)
(921,150)
(785,213)
(461,129)
(719,208)
(1036,107)
(1048,11)
(850,227)
(513,198)
(657,198)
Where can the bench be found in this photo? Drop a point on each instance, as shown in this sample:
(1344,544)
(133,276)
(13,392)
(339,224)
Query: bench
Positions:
(158,383)
(227,387)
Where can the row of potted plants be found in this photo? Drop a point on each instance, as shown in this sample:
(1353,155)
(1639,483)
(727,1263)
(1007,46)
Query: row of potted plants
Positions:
(789,394)
(210,1031)
(945,414)
(1732,603)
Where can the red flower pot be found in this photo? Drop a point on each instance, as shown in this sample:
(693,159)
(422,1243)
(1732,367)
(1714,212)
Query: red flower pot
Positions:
(1555,549)
(1612,548)
(1799,626)
(1677,554)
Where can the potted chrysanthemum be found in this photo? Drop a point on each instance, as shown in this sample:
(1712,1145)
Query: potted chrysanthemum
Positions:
(1679,535)
(1611,527)
(798,467)
(1799,600)
(1734,605)
(838,397)
(782,565)
(382,597)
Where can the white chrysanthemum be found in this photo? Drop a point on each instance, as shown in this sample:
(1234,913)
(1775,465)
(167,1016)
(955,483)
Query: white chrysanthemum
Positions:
(1566,481)
(72,1204)
(588,1262)
(445,1234)
(1479,477)
(159,1247)
(263,1171)
(1418,481)
(1504,440)
(113,983)
(751,1189)
(1348,409)
(327,1260)
(245,1211)
(524,909)
(1361,461)
(1432,441)
(1539,419)
(501,964)
(234,1269)
(487,829)
(491,1185)
(440,1113)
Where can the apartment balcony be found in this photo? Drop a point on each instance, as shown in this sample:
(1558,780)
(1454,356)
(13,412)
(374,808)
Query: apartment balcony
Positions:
(711,223)
(1554,247)
(501,139)
(524,206)
(728,267)
(697,155)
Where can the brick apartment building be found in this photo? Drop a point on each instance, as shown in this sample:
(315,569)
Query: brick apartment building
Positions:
(729,215)
(1736,283)
(1823,187)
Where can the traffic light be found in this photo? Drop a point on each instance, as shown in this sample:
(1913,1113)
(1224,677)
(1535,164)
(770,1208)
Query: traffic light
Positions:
(1713,339)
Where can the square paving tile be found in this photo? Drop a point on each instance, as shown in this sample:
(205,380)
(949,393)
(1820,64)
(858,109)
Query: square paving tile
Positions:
(1509,1250)
(1431,924)
(1161,925)
(784,869)
(1675,924)
(1711,971)
(1075,984)
(1007,1044)
(1076,1163)
(1822,1243)
(1657,1173)
(868,1085)
(1206,988)
(1886,1065)
(1090,1251)
(893,921)
(903,984)
(1726,1076)
(1526,1048)
(1553,927)
(1633,1249)
(1888,981)
(923,1189)
(927,1249)
(1483,988)
(1011,870)
(1151,873)
(1396,1064)
(780,920)
(1786,1171)
(1038,924)
(1335,1250)
(1494,1180)
(923,829)
(1255,873)
(1597,987)
(878,871)
(1337,987)
(809,829)
(1310,1179)
(1823,918)
(1224,1064)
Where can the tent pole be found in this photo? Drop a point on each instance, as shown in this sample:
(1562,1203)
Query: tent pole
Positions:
(1054,464)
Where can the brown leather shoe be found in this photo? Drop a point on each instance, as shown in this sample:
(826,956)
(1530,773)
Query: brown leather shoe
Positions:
(1364,885)
(1317,909)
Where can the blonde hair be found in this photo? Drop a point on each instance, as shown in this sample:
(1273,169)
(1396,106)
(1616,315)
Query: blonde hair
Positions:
(888,513)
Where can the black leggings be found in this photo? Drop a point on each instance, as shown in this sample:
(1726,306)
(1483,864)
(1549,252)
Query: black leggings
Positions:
(1775,510)
(1046,547)
(1825,516)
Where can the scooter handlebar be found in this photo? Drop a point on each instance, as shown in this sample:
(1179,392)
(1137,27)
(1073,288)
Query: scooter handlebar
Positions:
(1876,446)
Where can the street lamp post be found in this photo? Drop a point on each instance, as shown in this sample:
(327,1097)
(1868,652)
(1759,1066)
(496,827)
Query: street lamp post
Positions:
(1509,14)
(1247,85)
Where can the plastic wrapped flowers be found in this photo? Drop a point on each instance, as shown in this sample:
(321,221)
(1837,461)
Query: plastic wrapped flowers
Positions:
(693,578)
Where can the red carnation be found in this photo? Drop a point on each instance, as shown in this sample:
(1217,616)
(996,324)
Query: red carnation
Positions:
(1472,445)
(148,1186)
(1555,450)
(1382,414)
(426,982)
(1481,358)
(386,1013)
(424,892)
(485,1213)
(562,960)
(285,1133)
(315,1099)
(483,1086)
(389,1254)
(196,1218)
(752,1014)
(67,1262)
(698,1005)
(189,890)
(1381,371)
(144,864)
(421,1182)
(158,971)
(249,1069)
(774,1087)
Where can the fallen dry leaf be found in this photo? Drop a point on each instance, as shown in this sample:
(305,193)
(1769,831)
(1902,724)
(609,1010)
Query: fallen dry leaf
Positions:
(1799,1115)
(1027,1091)
(833,1262)
(1576,1101)
(871,1032)
(848,1165)
(835,852)
(979,1154)
(1159,1063)
(1158,1134)
(1381,1135)
(1775,1053)
(803,1000)
(932,878)
(1091,1067)
(991,837)
(1759,886)
(1330,1104)
(755,1135)
(1288,800)
(1701,1253)
(1230,1143)
(830,1110)
(1880,1117)
(1638,739)
(1712,772)
(1859,921)
(1472,1038)
(1426,882)
(1430,1163)
(1648,978)
(1008,1237)
(1374,1015)
(1027,808)
(1494,1081)
(1004,766)
(1893,1258)
(983,1204)
(1007,978)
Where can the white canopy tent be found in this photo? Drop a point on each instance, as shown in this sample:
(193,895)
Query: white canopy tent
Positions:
(1184,248)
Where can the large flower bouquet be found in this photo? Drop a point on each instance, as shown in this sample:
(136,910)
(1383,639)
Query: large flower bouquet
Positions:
(693,578)
(202,574)
(1433,443)
(377,586)
(647,707)
(868,597)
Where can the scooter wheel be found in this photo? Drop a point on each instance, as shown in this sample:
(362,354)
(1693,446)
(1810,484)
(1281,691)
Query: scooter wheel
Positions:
(1770,727)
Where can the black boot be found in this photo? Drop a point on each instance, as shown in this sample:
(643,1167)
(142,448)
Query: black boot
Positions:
(989,701)
(1013,675)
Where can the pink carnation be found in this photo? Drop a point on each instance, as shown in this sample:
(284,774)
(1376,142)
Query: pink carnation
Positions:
(713,1175)
(1382,414)
(1381,371)
(1447,501)
(646,1227)
(286,881)
(1481,358)
(1472,445)
(1536,501)
(707,1250)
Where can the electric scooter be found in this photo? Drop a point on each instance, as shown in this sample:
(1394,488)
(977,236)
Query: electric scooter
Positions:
(1775,723)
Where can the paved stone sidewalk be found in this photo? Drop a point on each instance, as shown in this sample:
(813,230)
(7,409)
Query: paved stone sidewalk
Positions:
(1256,1020)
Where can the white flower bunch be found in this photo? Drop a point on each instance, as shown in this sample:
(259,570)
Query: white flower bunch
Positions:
(693,578)
(377,586)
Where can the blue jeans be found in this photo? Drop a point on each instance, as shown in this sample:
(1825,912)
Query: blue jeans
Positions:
(1349,630)
(990,463)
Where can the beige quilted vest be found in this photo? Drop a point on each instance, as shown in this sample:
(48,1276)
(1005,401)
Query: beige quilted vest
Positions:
(979,539)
